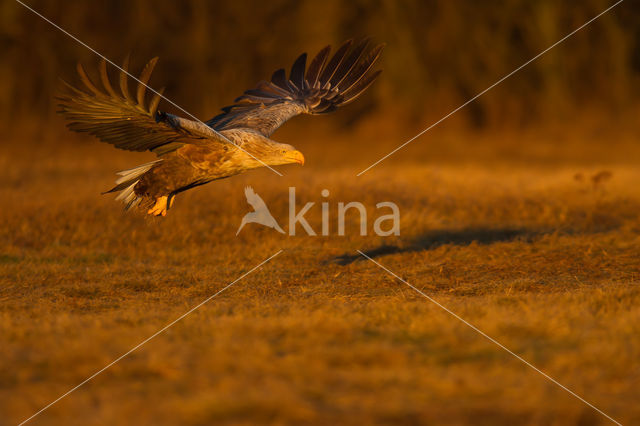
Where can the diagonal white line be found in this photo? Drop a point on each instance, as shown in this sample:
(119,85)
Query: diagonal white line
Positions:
(150,337)
(144,84)
(490,87)
(491,339)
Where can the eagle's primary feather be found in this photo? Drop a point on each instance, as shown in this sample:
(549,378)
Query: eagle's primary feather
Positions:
(193,153)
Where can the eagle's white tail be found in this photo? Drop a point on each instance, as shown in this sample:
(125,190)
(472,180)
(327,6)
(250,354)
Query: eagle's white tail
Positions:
(127,182)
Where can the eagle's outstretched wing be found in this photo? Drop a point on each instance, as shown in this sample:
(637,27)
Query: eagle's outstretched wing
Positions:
(127,123)
(326,85)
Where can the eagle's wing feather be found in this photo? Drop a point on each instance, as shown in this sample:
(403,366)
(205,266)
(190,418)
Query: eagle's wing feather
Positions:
(127,123)
(326,85)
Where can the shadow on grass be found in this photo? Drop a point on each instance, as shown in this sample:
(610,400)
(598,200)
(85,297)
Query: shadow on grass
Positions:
(435,239)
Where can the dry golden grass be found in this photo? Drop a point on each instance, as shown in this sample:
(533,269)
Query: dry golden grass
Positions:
(532,251)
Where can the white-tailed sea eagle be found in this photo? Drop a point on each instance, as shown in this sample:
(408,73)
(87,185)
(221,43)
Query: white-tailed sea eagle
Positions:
(192,153)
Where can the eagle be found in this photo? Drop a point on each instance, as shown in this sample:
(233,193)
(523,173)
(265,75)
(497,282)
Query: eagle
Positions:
(192,152)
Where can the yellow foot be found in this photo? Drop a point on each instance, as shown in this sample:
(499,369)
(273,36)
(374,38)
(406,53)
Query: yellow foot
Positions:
(160,207)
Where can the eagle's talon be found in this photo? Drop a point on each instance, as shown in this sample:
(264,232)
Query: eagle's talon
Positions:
(159,208)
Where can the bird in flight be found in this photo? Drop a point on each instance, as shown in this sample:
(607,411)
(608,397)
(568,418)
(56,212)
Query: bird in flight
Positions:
(260,213)
(192,153)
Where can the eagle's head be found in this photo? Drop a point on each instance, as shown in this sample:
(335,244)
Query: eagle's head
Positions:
(271,153)
(283,153)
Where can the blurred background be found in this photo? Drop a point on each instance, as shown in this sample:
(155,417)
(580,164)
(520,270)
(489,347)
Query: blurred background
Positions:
(439,54)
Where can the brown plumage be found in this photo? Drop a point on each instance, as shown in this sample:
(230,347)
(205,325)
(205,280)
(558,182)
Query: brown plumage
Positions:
(192,153)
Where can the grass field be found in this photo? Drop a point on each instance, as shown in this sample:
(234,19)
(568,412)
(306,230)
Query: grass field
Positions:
(533,239)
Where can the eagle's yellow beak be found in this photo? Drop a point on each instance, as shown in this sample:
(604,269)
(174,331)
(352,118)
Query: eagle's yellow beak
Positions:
(295,157)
